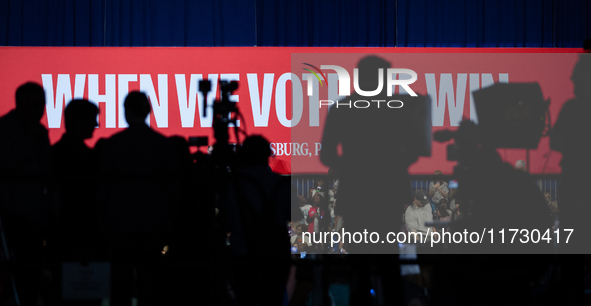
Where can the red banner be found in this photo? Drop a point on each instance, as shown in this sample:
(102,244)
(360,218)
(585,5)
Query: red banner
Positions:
(169,76)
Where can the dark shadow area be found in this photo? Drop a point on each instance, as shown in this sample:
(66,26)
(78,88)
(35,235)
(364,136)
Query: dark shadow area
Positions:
(378,142)
(176,226)
(25,162)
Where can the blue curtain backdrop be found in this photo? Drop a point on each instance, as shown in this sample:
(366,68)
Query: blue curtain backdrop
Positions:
(381,23)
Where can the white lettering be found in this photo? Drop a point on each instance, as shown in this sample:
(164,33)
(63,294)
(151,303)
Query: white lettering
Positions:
(455,102)
(159,102)
(54,107)
(326,102)
(345,103)
(314,108)
(304,148)
(260,111)
(233,98)
(366,106)
(188,104)
(396,101)
(343,77)
(109,98)
(368,93)
(404,83)
(333,81)
(281,101)
(123,90)
(378,101)
(279,149)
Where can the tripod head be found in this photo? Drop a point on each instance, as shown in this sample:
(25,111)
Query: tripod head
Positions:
(224,114)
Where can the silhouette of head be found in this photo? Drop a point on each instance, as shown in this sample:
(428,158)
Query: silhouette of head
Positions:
(368,72)
(137,107)
(255,151)
(80,116)
(581,76)
(30,102)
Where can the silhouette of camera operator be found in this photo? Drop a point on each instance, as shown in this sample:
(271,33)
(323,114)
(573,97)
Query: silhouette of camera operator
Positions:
(256,213)
(493,195)
(377,149)
(375,157)
(568,137)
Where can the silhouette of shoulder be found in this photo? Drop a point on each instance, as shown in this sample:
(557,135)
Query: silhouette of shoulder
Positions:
(22,148)
(10,126)
(71,156)
(568,134)
(135,148)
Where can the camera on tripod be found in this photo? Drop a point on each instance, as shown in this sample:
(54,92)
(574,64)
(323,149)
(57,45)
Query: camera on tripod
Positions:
(224,105)
(510,116)
(225,113)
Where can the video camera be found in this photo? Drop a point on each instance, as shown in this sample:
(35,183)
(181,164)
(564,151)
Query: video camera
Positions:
(510,116)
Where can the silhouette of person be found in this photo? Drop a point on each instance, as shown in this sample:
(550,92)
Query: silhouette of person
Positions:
(511,202)
(193,238)
(494,194)
(185,243)
(75,164)
(76,234)
(377,149)
(24,161)
(376,153)
(138,199)
(258,210)
(568,137)
(25,151)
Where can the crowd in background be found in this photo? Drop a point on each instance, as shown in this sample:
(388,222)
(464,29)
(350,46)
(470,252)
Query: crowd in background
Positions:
(438,202)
